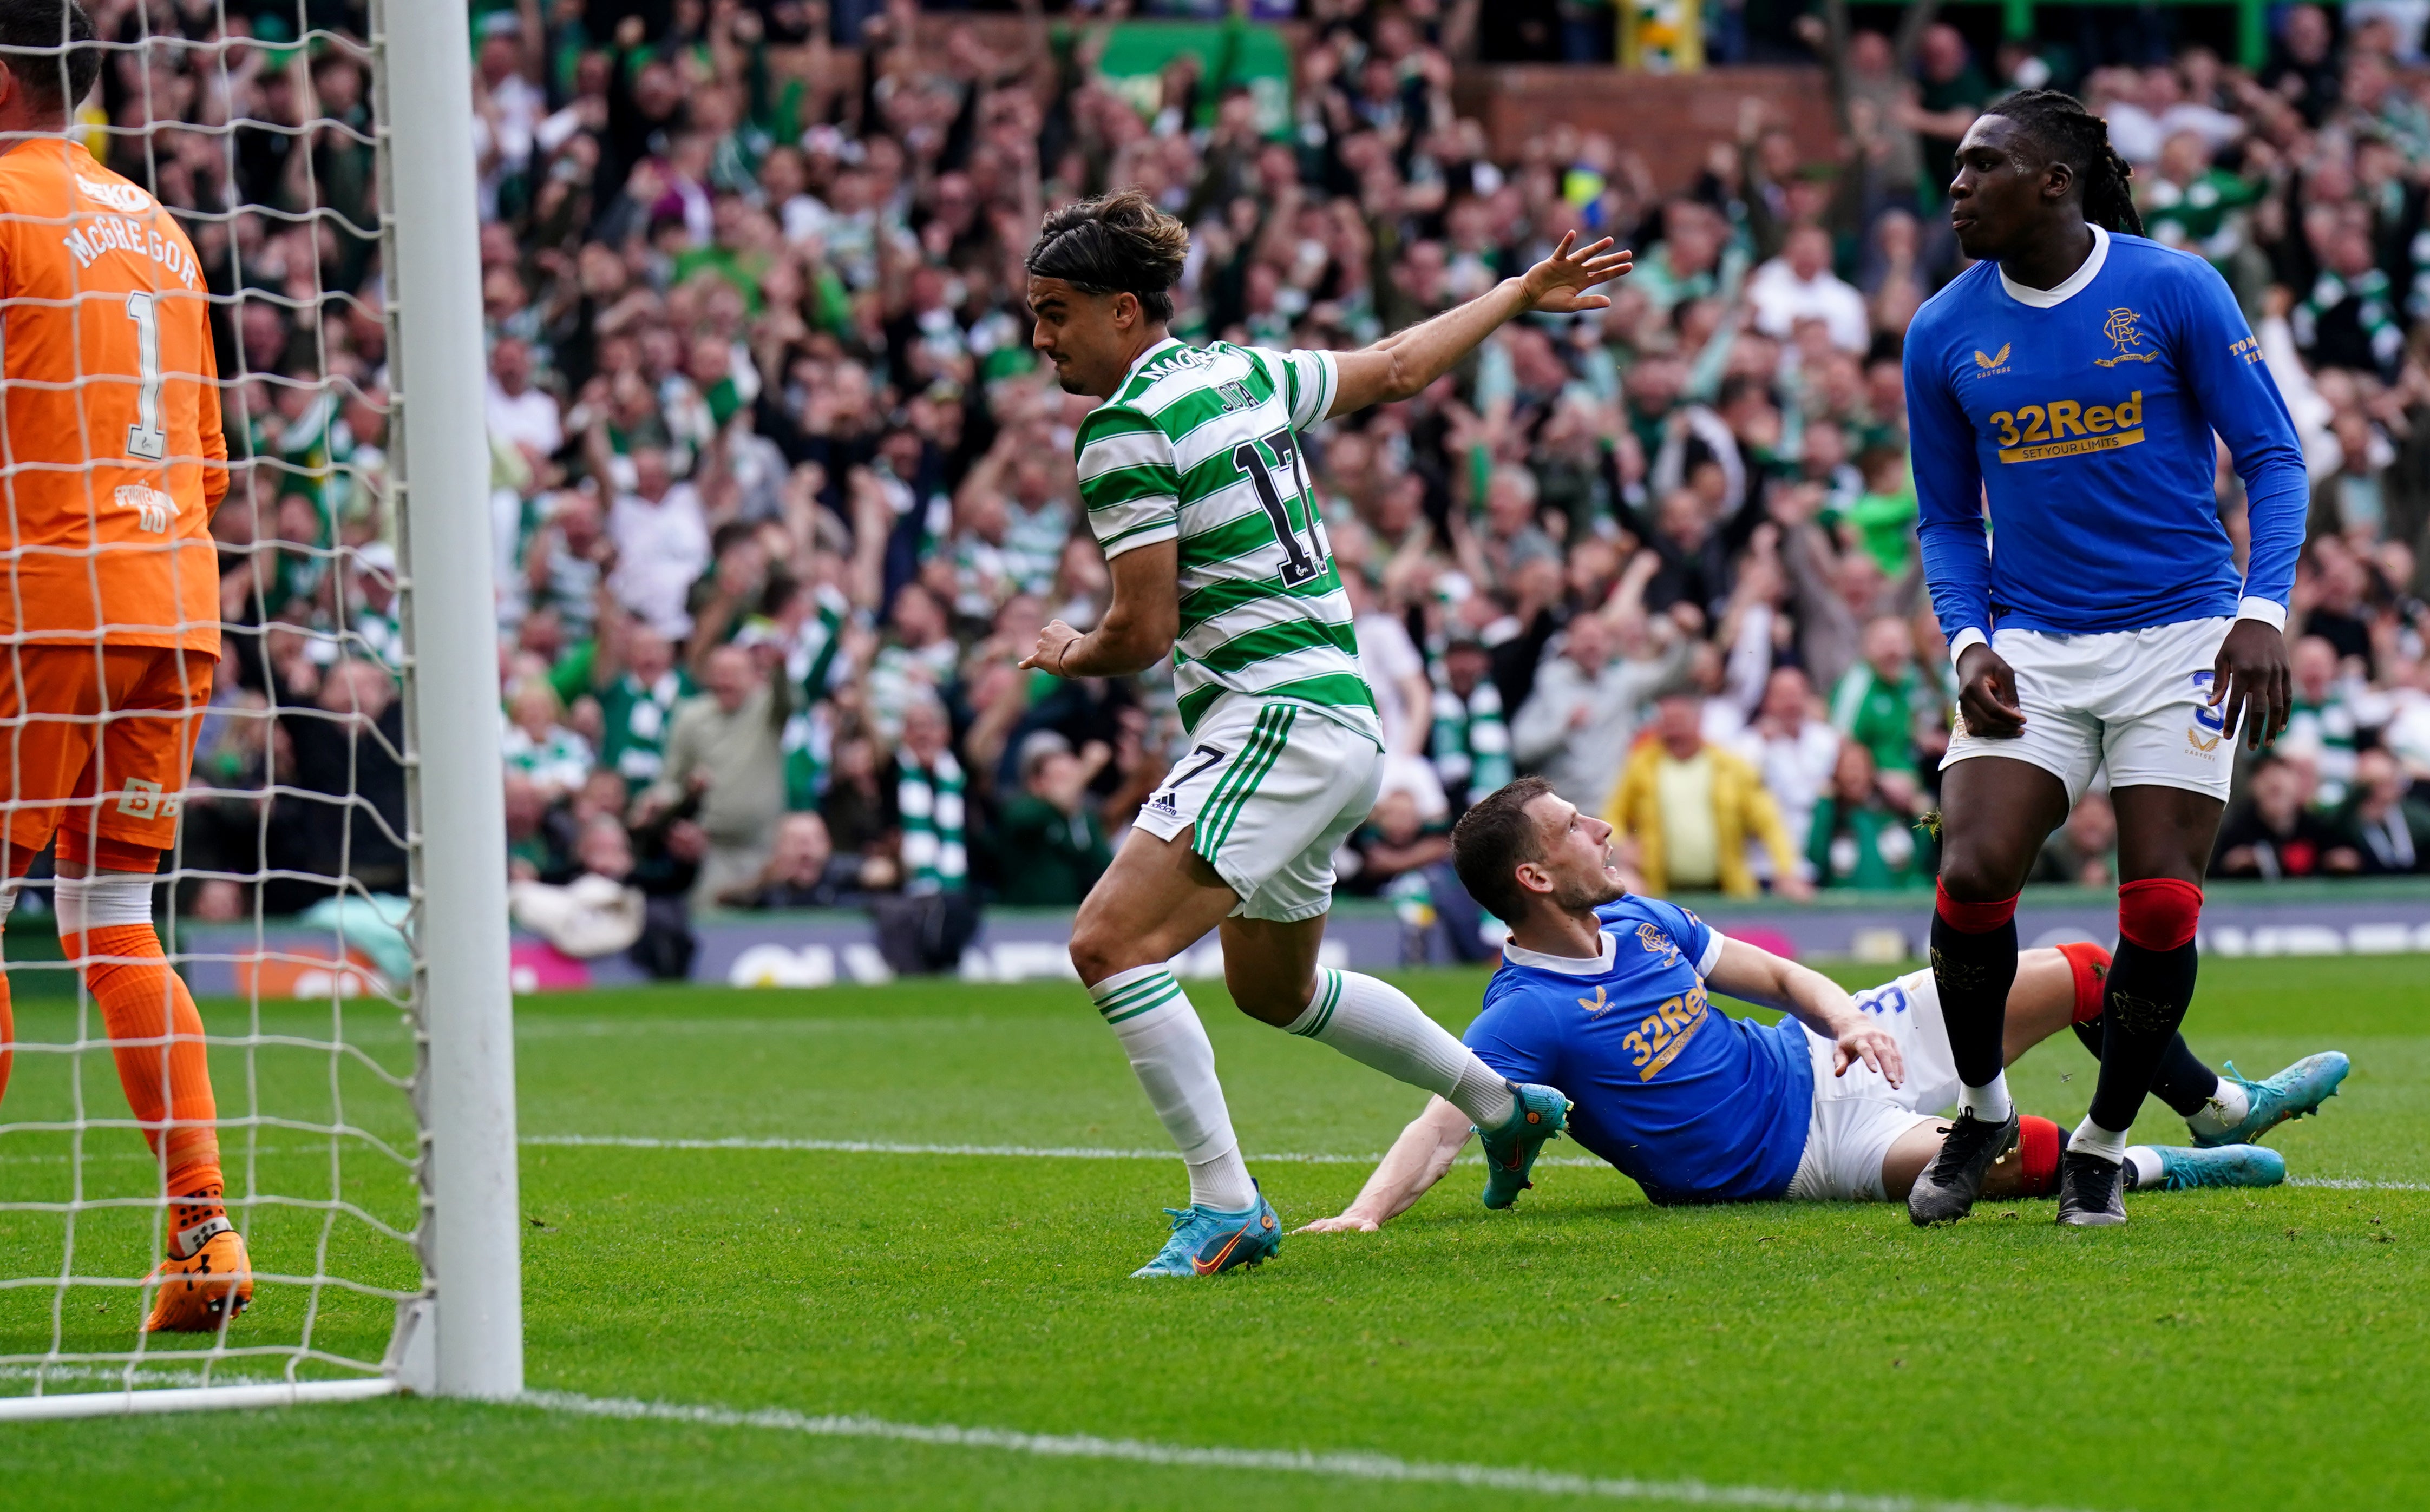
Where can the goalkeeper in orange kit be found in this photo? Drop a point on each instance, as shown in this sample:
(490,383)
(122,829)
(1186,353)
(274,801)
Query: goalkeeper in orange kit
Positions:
(111,463)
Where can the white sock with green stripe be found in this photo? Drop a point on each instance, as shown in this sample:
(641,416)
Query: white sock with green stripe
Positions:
(1375,1025)
(1175,1065)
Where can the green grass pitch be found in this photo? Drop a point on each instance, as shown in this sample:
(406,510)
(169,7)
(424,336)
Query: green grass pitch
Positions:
(2226,1350)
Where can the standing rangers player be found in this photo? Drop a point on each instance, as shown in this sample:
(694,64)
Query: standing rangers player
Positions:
(1195,486)
(2074,378)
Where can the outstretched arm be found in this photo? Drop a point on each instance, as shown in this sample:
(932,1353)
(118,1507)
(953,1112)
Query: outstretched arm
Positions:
(1419,1158)
(1402,364)
(1756,976)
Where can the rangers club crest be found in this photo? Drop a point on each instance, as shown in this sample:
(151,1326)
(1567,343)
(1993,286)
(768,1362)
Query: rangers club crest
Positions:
(2122,334)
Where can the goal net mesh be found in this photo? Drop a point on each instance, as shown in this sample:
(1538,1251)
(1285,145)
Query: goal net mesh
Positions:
(288,901)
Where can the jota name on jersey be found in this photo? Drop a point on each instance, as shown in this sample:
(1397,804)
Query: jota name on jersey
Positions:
(2067,427)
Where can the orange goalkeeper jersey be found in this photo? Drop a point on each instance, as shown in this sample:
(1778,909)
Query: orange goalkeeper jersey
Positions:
(111,455)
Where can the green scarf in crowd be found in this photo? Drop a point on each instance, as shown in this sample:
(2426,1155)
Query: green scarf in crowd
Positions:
(808,741)
(930,802)
(1472,744)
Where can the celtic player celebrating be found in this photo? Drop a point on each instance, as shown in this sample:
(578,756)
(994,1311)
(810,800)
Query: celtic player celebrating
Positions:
(1195,486)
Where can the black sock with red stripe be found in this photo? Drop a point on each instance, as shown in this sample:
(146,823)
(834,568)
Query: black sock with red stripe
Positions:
(2151,981)
(2183,1081)
(1973,965)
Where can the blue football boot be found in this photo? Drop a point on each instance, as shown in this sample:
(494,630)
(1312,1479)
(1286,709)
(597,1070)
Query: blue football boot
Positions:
(1511,1151)
(2227,1165)
(1206,1242)
(2298,1091)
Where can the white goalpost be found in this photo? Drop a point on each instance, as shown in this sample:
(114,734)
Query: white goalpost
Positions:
(337,897)
(471,1232)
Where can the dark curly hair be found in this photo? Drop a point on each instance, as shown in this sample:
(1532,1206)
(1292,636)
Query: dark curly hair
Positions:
(47,45)
(1118,244)
(2068,133)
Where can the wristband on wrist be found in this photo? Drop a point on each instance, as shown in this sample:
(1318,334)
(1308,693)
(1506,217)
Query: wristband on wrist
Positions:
(2268,611)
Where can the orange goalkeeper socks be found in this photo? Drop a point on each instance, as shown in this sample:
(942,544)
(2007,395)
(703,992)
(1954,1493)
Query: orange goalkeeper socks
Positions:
(167,1085)
(196,1209)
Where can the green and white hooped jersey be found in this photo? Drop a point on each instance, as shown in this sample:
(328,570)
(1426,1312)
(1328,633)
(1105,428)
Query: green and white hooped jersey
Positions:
(1198,445)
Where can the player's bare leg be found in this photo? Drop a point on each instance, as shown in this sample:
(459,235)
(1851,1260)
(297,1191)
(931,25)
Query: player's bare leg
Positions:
(1272,969)
(1996,811)
(2042,1002)
(1159,899)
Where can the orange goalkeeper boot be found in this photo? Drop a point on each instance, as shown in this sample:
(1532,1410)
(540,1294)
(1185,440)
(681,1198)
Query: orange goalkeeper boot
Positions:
(213,1283)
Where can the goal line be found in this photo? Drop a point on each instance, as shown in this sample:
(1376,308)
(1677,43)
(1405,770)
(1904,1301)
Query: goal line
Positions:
(133,1400)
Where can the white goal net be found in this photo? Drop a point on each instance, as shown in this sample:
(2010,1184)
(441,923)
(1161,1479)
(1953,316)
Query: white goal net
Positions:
(238,717)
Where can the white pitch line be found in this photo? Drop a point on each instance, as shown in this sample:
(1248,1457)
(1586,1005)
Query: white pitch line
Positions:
(1026,1152)
(1016,1152)
(880,1147)
(1346,1466)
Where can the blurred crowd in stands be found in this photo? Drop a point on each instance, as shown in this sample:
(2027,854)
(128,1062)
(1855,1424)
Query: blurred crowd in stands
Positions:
(782,498)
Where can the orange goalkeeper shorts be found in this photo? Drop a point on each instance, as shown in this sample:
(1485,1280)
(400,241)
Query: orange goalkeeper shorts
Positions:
(101,741)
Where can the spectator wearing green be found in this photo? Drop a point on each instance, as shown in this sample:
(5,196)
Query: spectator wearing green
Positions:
(1879,700)
(1051,845)
(1884,515)
(808,620)
(2193,207)
(634,675)
(1949,92)
(1861,837)
(1472,741)
(2322,724)
(536,745)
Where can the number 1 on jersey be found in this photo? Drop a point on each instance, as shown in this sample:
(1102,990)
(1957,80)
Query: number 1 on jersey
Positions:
(1299,565)
(147,438)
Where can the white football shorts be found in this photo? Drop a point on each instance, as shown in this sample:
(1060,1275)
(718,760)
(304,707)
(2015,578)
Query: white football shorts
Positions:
(2137,699)
(1859,1116)
(1274,790)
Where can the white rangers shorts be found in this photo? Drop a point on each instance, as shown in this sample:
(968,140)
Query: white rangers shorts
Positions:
(1274,790)
(2138,700)
(1859,1116)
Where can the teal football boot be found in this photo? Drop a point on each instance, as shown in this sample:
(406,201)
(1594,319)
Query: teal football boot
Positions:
(1206,1242)
(2298,1091)
(2227,1165)
(1511,1151)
